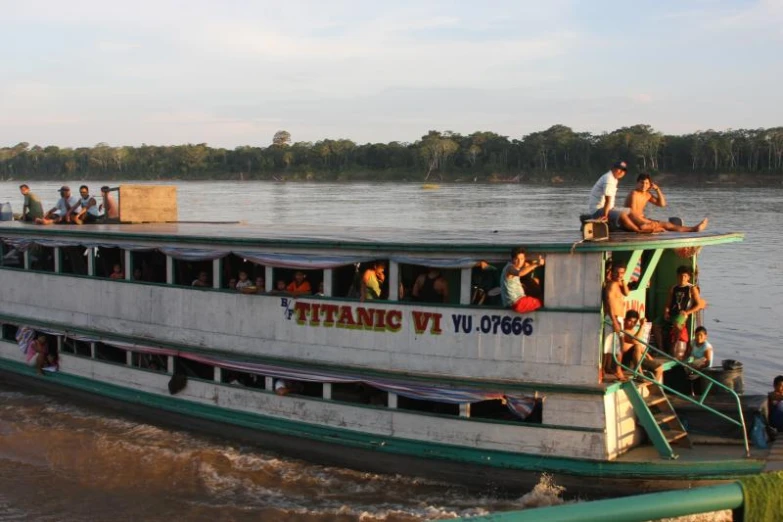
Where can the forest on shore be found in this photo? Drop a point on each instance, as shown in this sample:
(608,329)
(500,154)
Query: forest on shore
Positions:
(556,153)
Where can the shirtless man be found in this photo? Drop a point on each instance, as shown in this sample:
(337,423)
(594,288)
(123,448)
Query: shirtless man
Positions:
(615,291)
(110,210)
(639,197)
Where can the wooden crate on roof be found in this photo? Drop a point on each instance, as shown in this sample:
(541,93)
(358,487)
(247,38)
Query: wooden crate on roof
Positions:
(148,203)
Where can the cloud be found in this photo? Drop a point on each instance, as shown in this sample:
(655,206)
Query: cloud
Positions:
(117,47)
(642,98)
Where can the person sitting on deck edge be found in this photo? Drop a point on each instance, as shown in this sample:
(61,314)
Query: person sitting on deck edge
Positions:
(64,211)
(602,200)
(647,191)
(32,208)
(89,211)
(512,292)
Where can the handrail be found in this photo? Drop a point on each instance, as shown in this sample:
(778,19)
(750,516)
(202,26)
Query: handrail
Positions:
(700,402)
(663,504)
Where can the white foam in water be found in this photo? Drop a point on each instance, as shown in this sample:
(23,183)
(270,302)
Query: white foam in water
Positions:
(205,473)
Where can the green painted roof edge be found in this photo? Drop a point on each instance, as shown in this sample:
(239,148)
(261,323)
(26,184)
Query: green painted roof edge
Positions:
(660,241)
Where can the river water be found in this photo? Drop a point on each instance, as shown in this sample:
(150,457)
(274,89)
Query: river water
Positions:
(63,461)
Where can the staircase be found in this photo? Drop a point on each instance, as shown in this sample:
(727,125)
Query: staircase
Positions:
(653,409)
(657,417)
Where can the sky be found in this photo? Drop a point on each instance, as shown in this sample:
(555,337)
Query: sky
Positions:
(232,73)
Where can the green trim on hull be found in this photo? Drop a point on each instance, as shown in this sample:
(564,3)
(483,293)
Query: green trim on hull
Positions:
(661,470)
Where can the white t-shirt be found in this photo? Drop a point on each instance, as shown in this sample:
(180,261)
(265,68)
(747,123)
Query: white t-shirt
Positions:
(73,201)
(605,187)
(244,284)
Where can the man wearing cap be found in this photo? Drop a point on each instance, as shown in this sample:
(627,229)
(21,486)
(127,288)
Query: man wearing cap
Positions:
(65,210)
(602,198)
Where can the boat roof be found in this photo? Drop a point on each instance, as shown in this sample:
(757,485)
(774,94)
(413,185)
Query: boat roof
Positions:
(362,238)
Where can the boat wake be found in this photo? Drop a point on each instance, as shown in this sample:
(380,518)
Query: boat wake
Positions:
(116,461)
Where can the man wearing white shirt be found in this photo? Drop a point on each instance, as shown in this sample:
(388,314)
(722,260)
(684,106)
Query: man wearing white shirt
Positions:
(65,210)
(602,199)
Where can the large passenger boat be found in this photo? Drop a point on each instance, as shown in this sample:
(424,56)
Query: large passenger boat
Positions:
(461,390)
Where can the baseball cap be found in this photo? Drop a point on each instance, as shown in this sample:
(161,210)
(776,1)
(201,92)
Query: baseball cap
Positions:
(620,165)
(64,188)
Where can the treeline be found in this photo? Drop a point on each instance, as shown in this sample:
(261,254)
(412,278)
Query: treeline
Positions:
(445,155)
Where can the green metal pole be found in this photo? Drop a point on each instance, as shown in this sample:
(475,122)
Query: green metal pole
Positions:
(651,506)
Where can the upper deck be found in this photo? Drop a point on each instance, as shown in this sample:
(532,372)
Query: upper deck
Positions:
(484,241)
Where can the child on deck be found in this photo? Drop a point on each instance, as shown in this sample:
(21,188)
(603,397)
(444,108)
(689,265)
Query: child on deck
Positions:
(117,272)
(775,404)
(700,352)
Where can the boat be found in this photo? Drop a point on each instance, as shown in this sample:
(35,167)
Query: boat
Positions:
(471,394)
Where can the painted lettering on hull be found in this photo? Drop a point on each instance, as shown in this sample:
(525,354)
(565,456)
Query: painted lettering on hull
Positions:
(422,320)
(345,316)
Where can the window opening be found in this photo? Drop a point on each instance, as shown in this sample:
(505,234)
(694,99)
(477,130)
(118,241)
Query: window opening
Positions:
(11,257)
(359,393)
(255,274)
(41,258)
(106,259)
(9,332)
(433,285)
(150,361)
(237,378)
(306,284)
(73,260)
(405,403)
(194,369)
(81,348)
(149,266)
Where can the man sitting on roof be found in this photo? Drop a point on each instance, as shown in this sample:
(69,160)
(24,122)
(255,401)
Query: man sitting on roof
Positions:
(648,192)
(89,212)
(65,210)
(602,199)
(512,292)
(110,209)
(32,208)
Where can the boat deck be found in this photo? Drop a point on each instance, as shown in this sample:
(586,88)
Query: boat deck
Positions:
(718,451)
(364,237)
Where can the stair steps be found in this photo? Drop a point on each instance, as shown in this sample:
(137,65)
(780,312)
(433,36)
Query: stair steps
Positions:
(657,417)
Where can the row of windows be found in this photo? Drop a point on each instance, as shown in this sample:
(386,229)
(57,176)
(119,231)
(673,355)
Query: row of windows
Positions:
(416,282)
(356,393)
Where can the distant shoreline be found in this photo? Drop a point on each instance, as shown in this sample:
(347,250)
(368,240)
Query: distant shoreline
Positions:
(536,178)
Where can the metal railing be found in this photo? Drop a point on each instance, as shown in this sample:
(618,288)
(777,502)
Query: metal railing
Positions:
(650,506)
(638,372)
